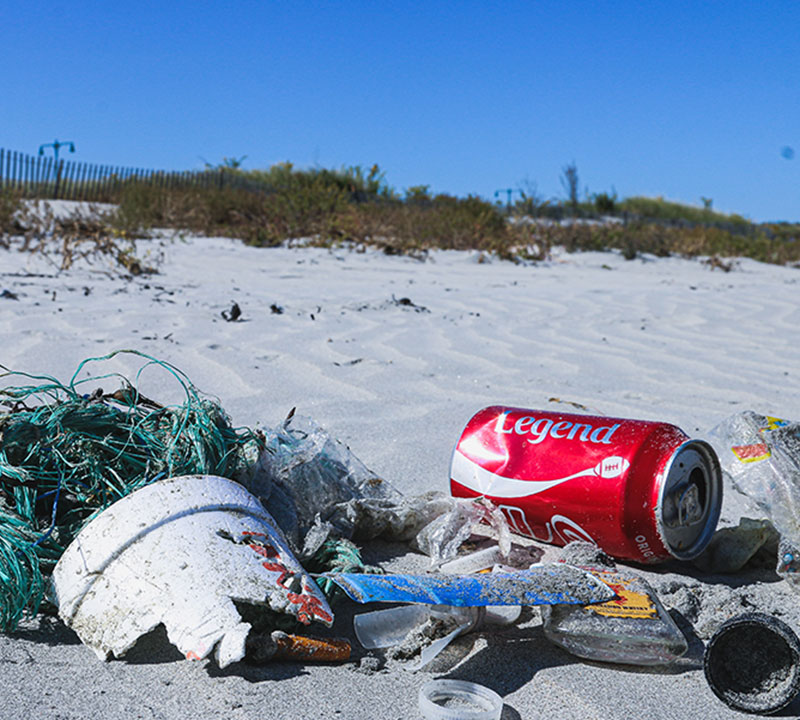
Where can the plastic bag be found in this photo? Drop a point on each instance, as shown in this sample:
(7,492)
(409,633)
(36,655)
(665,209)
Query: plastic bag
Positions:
(442,538)
(761,454)
(316,488)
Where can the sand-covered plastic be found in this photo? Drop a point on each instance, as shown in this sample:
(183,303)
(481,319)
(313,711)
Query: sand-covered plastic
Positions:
(180,552)
(458,700)
(632,629)
(761,455)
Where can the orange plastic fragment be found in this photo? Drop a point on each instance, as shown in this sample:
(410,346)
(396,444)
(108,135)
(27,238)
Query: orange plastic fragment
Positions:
(310,649)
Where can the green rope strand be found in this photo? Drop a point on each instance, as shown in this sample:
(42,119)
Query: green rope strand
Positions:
(338,555)
(66,456)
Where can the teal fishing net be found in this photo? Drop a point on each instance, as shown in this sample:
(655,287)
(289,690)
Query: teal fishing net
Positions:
(69,450)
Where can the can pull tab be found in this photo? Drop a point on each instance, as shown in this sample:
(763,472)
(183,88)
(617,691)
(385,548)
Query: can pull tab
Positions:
(690,507)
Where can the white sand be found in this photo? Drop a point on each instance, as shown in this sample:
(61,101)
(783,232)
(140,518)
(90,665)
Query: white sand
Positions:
(666,339)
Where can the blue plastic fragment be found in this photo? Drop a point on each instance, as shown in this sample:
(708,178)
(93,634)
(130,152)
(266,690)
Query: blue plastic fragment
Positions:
(552,584)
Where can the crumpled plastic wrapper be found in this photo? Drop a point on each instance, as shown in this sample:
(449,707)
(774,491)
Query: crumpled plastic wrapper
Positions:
(316,488)
(442,538)
(761,455)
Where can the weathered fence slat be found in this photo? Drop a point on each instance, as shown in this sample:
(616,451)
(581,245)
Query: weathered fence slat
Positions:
(47,178)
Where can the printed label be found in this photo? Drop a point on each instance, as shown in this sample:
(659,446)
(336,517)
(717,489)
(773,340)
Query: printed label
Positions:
(539,429)
(751,453)
(773,423)
(309,606)
(628,604)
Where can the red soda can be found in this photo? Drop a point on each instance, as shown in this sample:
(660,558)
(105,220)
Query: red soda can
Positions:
(641,490)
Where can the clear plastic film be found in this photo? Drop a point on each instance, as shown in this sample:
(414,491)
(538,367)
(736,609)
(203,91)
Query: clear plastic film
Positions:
(426,629)
(442,537)
(316,488)
(761,455)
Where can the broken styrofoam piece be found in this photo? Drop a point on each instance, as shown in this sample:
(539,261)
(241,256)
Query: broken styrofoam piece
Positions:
(179,552)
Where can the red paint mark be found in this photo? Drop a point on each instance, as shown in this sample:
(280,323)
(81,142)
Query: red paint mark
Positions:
(310,606)
(278,568)
(192,655)
(751,453)
(619,589)
(266,551)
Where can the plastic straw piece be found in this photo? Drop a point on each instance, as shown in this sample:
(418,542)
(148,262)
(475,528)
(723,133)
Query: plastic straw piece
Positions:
(474,562)
(539,585)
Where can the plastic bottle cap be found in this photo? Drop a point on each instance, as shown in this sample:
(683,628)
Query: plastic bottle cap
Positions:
(458,700)
(752,663)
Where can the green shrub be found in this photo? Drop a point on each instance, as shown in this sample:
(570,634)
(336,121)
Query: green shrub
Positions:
(604,203)
(10,205)
(660,209)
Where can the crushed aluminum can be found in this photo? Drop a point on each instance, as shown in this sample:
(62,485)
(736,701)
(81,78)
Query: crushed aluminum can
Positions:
(641,490)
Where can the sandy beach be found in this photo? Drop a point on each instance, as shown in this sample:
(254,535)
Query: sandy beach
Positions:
(392,355)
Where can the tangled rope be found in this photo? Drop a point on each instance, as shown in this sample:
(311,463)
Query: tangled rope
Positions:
(66,455)
(342,556)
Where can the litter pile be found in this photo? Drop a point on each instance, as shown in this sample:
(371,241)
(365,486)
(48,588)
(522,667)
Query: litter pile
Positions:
(67,454)
(126,514)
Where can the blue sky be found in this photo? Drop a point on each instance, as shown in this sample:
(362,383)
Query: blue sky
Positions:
(678,99)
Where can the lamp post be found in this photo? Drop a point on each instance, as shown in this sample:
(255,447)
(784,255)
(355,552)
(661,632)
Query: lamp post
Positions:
(509,192)
(56,146)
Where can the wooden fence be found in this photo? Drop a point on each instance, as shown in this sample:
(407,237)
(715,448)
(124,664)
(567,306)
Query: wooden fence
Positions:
(36,176)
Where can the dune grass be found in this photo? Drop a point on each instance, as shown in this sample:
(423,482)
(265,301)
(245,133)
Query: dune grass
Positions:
(356,207)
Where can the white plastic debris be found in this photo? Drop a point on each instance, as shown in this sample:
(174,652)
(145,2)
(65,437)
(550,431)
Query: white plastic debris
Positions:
(179,552)
(447,699)
(442,537)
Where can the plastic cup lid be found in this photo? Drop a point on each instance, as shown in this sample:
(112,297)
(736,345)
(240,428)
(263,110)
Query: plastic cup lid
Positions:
(752,663)
(458,700)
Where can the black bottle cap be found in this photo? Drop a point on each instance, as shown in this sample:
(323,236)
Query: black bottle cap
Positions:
(752,663)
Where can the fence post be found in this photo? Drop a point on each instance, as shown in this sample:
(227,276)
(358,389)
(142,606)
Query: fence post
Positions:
(59,166)
(50,165)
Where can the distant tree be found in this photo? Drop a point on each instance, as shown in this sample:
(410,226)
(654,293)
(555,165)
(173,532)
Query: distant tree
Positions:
(569,181)
(418,194)
(531,200)
(233,163)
